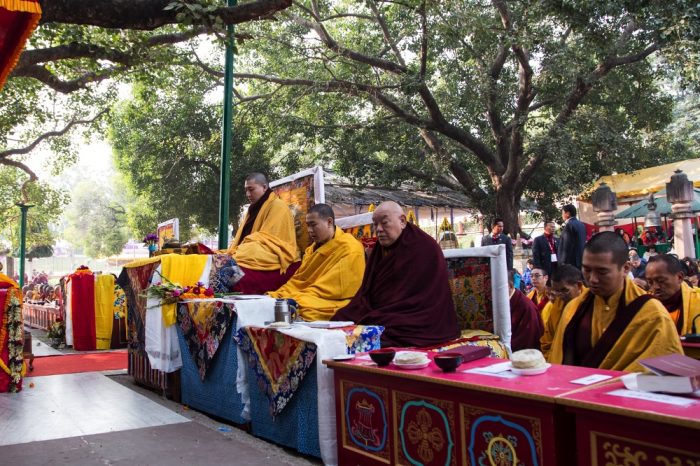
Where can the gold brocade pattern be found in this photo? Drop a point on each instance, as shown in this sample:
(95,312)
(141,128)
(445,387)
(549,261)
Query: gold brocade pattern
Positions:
(429,438)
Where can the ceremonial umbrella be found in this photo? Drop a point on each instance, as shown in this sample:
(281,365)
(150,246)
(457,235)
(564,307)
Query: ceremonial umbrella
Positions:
(18,18)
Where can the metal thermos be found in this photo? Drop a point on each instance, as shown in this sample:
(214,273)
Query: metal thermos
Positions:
(282,313)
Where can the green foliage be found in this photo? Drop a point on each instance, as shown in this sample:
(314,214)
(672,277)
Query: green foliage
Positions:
(166,142)
(96,219)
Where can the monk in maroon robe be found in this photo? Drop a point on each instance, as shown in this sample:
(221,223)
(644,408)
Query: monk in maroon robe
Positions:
(405,286)
(525,320)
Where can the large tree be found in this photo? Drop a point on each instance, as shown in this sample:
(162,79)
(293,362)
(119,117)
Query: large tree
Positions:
(505,98)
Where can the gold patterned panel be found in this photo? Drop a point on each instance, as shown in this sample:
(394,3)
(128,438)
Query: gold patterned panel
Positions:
(614,450)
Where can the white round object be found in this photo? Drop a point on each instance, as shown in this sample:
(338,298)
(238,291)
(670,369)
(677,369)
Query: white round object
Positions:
(527,359)
(533,371)
(411,357)
(344,357)
(279,325)
(419,365)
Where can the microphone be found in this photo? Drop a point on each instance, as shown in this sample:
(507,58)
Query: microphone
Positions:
(695,336)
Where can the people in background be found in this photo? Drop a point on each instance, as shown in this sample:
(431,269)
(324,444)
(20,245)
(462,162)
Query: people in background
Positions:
(525,320)
(265,246)
(664,274)
(573,238)
(405,286)
(566,284)
(331,270)
(527,275)
(614,323)
(544,248)
(498,237)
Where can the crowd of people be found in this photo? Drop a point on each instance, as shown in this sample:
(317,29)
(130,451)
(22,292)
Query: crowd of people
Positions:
(586,306)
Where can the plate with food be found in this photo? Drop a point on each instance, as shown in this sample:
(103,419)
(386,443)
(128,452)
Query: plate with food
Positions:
(344,357)
(411,360)
(528,362)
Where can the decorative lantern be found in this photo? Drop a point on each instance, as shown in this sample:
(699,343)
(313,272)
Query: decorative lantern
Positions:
(679,189)
(604,199)
(652,218)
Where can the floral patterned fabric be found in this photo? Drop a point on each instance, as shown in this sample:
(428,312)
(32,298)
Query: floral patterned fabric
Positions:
(204,325)
(119,302)
(362,338)
(11,341)
(225,273)
(134,281)
(279,361)
(470,283)
(477,338)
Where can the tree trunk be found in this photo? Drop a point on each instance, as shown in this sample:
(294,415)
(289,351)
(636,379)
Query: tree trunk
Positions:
(507,208)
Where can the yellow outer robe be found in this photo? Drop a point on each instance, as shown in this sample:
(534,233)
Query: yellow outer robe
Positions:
(328,278)
(551,315)
(272,243)
(651,333)
(691,307)
(104,310)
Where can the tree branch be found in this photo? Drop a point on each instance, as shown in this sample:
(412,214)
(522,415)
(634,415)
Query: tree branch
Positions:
(145,14)
(50,134)
(25,169)
(385,32)
(41,73)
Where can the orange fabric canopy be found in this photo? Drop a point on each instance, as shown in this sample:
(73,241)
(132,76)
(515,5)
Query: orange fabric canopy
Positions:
(18,19)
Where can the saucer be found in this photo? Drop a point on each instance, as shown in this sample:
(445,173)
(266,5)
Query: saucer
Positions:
(344,357)
(533,371)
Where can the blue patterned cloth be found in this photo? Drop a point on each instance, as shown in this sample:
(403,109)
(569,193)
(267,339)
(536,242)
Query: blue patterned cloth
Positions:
(363,338)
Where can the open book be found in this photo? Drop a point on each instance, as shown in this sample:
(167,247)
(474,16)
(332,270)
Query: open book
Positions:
(674,373)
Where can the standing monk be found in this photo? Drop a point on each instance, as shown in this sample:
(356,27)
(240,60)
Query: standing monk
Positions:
(331,271)
(265,246)
(615,323)
(405,286)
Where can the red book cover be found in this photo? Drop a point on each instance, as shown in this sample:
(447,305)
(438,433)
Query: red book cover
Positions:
(672,364)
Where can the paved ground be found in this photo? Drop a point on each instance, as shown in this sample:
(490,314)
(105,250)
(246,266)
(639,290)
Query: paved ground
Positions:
(105,419)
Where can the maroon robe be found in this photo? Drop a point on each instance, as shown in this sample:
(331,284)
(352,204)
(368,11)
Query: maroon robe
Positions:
(405,289)
(262,281)
(525,323)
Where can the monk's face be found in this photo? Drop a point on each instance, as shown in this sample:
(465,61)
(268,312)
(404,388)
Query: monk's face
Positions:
(389,224)
(602,275)
(662,283)
(566,291)
(254,191)
(320,230)
(539,279)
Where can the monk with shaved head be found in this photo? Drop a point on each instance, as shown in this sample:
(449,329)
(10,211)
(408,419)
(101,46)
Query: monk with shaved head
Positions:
(405,286)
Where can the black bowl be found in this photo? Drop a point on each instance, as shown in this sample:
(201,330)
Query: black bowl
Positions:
(382,356)
(448,362)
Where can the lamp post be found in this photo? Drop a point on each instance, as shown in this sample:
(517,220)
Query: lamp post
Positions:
(226,139)
(23,208)
(604,203)
(679,192)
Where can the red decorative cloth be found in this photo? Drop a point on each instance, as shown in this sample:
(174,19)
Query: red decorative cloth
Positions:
(11,340)
(83,311)
(526,323)
(262,281)
(406,289)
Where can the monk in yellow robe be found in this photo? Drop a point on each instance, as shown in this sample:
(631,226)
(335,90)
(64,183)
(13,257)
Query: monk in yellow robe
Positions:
(538,294)
(265,246)
(615,323)
(331,271)
(664,275)
(567,284)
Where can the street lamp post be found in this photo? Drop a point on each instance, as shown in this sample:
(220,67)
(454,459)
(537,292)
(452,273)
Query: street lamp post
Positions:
(679,192)
(604,203)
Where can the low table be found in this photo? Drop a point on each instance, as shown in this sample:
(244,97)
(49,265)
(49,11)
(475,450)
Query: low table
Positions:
(393,416)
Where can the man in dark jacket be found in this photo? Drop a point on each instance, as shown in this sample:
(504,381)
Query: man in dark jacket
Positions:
(573,238)
(544,249)
(498,237)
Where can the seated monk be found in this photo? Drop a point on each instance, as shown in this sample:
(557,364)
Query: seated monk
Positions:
(664,275)
(567,284)
(538,294)
(525,320)
(614,323)
(265,246)
(331,271)
(405,286)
